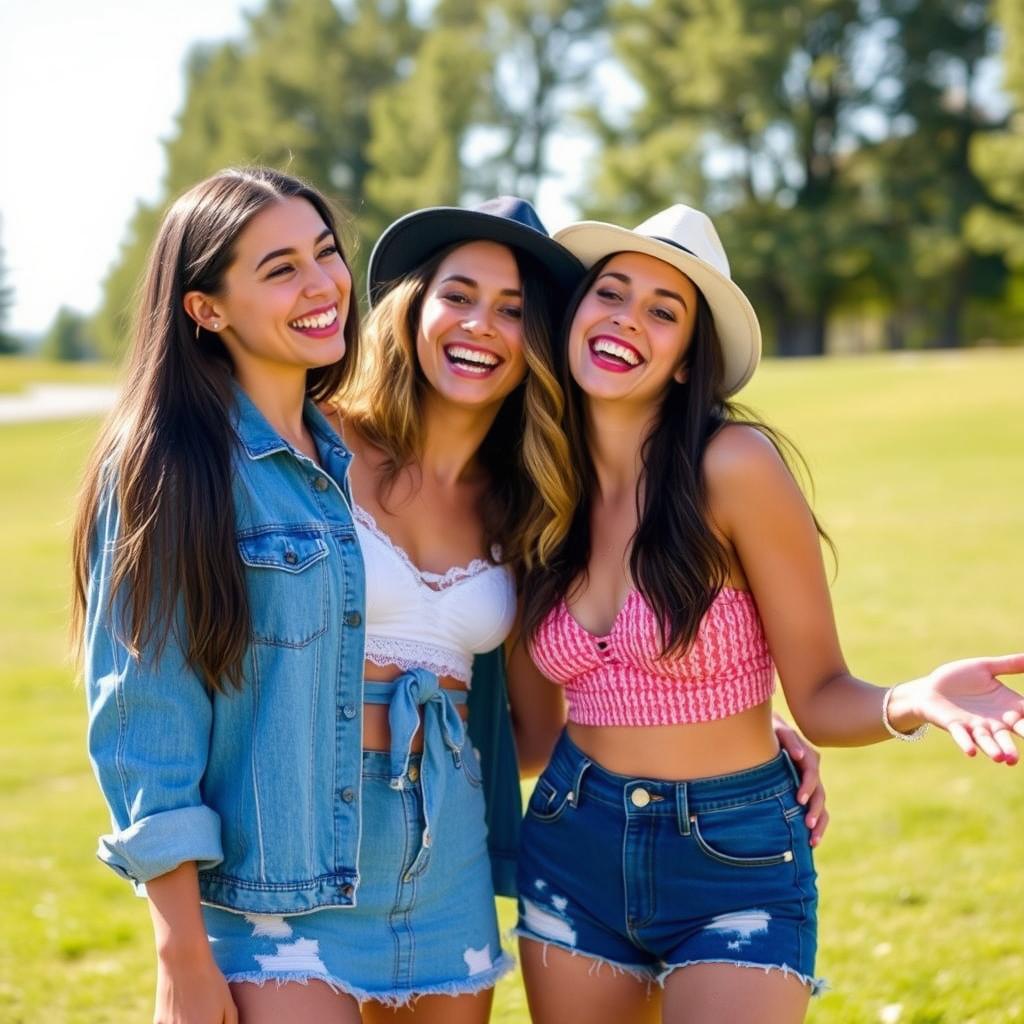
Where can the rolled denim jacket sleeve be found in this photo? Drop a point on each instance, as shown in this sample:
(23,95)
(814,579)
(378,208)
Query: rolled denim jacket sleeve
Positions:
(150,721)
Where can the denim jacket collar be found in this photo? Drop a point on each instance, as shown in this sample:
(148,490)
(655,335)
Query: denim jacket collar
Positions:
(259,439)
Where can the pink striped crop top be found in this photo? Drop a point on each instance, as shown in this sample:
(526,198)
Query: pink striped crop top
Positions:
(621,678)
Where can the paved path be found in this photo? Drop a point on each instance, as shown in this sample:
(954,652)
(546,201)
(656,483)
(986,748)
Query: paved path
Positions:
(56,402)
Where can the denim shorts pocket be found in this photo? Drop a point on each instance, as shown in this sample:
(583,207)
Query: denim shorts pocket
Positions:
(471,766)
(752,836)
(286,578)
(549,801)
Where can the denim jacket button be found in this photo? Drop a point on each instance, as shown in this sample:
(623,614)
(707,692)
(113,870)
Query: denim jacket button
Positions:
(348,794)
(290,557)
(320,483)
(349,711)
(353,619)
(347,891)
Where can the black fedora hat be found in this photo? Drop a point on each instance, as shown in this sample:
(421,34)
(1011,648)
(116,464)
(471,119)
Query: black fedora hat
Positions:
(509,220)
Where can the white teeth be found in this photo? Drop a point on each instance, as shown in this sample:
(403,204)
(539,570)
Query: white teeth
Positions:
(472,355)
(623,352)
(316,322)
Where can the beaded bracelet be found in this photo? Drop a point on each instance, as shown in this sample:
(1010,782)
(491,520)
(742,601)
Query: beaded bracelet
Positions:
(906,737)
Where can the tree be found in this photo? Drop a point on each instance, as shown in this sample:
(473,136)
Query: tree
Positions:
(67,339)
(544,53)
(419,126)
(748,111)
(294,93)
(8,343)
(998,158)
(937,52)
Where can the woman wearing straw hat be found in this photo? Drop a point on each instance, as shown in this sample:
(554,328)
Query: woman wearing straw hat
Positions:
(691,572)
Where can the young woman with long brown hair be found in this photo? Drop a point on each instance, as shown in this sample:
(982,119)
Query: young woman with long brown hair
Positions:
(219,587)
(692,569)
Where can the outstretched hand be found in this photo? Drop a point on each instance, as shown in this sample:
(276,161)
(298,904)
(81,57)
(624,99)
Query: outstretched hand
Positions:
(978,711)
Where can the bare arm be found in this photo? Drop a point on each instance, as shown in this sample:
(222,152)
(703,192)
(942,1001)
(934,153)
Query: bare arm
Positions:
(538,707)
(761,511)
(189,987)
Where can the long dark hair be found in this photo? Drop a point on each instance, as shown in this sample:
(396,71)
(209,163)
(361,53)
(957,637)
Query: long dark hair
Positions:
(165,452)
(676,561)
(529,501)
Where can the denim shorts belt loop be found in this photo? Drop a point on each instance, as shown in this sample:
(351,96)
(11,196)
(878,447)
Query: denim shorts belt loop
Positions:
(680,872)
(444,735)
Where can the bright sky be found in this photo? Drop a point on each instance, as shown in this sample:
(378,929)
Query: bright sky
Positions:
(87,92)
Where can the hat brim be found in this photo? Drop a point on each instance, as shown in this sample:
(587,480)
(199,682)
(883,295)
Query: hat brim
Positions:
(735,320)
(414,238)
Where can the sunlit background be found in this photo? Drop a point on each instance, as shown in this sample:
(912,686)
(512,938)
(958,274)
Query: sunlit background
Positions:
(864,162)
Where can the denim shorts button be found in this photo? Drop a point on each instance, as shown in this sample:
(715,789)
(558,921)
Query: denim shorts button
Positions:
(348,794)
(349,711)
(640,797)
(413,773)
(353,619)
(320,483)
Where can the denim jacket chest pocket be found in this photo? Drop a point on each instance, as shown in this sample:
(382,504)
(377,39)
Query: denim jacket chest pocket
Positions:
(287,577)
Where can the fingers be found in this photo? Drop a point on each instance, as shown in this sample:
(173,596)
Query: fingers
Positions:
(993,738)
(1007,665)
(818,831)
(789,739)
(1004,739)
(816,818)
(986,743)
(962,738)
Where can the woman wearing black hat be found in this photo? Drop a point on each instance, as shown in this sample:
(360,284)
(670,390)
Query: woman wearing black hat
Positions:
(452,412)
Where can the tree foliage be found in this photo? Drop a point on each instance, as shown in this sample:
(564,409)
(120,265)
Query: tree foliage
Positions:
(68,340)
(849,150)
(8,343)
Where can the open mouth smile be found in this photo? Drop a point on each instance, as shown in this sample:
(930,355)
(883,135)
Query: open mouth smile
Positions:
(318,323)
(469,361)
(614,354)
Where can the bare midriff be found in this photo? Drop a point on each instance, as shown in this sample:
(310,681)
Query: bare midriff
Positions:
(675,752)
(376,733)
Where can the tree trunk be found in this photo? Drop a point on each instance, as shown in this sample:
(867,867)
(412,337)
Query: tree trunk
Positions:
(802,335)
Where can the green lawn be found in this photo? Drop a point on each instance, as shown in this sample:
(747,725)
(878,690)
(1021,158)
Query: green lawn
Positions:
(18,372)
(918,463)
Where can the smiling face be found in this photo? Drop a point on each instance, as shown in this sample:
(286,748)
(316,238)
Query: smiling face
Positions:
(285,297)
(631,329)
(469,344)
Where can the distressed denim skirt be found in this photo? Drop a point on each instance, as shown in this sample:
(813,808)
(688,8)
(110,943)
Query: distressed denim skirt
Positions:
(713,870)
(424,922)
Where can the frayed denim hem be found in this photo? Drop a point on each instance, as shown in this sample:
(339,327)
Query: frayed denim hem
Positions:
(647,974)
(394,998)
(816,985)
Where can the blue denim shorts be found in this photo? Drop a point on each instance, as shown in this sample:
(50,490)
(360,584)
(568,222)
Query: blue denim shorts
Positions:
(650,876)
(424,920)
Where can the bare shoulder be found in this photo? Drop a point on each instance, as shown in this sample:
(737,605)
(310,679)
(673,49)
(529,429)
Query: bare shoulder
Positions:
(741,457)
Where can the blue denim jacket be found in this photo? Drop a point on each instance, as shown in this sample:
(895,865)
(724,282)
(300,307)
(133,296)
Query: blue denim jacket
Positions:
(261,786)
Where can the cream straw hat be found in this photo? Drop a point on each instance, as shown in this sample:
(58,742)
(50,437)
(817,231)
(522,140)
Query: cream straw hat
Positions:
(686,239)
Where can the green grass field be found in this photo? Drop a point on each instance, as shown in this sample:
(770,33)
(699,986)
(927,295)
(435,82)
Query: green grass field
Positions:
(918,463)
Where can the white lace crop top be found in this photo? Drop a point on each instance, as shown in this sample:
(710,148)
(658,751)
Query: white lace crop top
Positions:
(432,620)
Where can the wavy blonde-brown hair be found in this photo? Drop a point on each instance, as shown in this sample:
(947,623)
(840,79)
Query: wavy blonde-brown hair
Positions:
(533,490)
